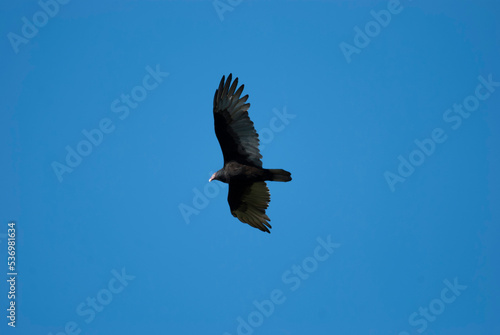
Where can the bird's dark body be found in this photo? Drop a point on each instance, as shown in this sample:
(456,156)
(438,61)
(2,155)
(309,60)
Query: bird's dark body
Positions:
(236,172)
(248,195)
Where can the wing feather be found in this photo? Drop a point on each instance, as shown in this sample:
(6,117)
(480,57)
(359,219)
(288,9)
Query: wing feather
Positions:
(248,202)
(235,131)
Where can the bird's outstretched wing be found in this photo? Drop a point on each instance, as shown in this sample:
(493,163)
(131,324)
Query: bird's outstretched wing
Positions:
(235,131)
(248,202)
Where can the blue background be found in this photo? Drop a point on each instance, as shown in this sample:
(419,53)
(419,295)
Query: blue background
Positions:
(121,208)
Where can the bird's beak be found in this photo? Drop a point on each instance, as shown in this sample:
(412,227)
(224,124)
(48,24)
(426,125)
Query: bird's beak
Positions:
(211,178)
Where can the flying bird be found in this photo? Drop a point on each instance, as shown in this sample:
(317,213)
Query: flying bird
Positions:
(248,195)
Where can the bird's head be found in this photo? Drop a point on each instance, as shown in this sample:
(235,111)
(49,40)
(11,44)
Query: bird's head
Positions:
(220,176)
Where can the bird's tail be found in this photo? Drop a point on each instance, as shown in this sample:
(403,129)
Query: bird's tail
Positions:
(280,175)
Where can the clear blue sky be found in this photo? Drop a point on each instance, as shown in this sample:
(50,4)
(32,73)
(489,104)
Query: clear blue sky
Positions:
(387,114)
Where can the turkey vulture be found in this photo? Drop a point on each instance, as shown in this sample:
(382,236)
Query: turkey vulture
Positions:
(248,195)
